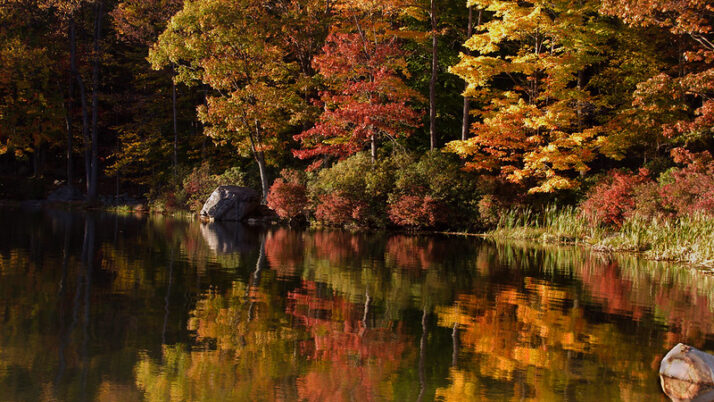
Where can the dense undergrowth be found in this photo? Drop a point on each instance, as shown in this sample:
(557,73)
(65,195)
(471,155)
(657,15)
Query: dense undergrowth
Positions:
(667,218)
(664,216)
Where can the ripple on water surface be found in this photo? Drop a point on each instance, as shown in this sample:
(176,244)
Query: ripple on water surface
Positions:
(107,307)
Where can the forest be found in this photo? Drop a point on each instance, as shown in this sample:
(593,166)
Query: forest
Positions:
(444,114)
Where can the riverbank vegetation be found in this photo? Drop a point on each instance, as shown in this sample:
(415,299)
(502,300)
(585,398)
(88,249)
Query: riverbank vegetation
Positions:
(588,121)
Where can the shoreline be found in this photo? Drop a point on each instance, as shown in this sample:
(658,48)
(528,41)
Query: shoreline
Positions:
(605,241)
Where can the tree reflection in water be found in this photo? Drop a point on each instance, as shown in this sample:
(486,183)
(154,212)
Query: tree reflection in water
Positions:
(123,308)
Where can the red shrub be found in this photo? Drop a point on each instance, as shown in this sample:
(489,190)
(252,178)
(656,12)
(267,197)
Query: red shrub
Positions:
(490,209)
(415,210)
(338,209)
(689,189)
(679,192)
(611,200)
(287,196)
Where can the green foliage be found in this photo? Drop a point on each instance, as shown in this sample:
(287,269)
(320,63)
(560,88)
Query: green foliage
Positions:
(388,191)
(363,185)
(439,176)
(198,185)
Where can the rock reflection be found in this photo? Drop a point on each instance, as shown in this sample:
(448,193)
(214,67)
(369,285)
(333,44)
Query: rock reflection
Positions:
(229,237)
(681,391)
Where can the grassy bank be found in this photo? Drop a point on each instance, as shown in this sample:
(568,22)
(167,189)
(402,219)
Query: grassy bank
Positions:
(688,239)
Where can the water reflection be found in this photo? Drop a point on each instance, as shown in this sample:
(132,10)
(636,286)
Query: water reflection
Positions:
(103,307)
(679,390)
(229,237)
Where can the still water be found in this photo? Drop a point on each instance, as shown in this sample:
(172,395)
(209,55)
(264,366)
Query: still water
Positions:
(124,308)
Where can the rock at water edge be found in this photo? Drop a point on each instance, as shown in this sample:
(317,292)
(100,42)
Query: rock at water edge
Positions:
(687,373)
(230,203)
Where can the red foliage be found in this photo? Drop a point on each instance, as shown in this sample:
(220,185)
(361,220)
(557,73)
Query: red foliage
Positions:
(337,247)
(613,199)
(287,196)
(691,188)
(339,209)
(356,358)
(285,251)
(415,210)
(367,97)
(412,252)
(628,293)
(681,191)
(692,18)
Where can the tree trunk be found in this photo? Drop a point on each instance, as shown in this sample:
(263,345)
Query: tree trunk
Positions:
(259,155)
(260,159)
(173,99)
(168,296)
(36,161)
(432,82)
(92,191)
(255,280)
(85,130)
(422,356)
(466,123)
(367,301)
(89,241)
(580,102)
(455,345)
(373,147)
(70,97)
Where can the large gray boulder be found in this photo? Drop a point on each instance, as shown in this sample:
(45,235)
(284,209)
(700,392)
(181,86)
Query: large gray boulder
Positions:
(687,374)
(230,203)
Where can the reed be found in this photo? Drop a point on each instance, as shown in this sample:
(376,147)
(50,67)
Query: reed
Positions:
(687,239)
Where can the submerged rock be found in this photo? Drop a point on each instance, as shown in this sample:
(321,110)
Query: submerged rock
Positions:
(230,203)
(687,373)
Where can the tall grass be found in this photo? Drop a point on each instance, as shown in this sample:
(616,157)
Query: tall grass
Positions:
(687,239)
(549,225)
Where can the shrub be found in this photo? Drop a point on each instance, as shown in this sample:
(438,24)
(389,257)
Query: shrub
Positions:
(611,200)
(200,183)
(490,210)
(399,189)
(353,191)
(288,196)
(338,209)
(678,192)
(433,191)
(690,189)
(414,210)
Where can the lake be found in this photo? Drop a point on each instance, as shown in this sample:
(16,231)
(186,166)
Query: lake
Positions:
(101,307)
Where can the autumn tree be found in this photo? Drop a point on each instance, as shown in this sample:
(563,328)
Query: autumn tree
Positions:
(30,104)
(366,99)
(530,72)
(29,112)
(143,143)
(434,33)
(230,47)
(678,99)
(466,118)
